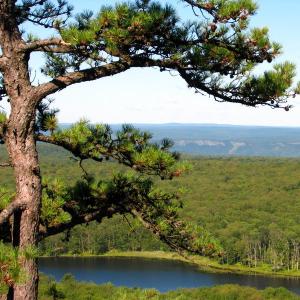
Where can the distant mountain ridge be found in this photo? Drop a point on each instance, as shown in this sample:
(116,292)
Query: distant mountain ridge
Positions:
(226,140)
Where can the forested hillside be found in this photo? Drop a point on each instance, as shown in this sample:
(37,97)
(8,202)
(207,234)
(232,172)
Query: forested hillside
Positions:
(250,204)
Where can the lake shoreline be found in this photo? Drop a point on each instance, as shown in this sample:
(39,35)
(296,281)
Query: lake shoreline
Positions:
(203,263)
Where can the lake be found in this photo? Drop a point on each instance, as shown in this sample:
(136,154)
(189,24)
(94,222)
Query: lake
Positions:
(163,275)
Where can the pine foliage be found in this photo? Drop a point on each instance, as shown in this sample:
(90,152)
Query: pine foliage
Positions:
(215,55)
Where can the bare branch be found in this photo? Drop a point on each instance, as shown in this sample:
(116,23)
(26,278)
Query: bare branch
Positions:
(203,7)
(44,13)
(82,168)
(64,81)
(213,10)
(56,45)
(110,69)
(5,165)
(10,210)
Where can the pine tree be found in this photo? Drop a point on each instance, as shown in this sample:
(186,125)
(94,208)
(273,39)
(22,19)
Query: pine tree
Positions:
(215,54)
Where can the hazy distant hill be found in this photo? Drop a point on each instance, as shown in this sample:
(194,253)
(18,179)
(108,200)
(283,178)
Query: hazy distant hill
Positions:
(206,139)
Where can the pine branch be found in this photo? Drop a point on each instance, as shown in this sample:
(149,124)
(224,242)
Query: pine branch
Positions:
(193,76)
(223,95)
(153,229)
(221,11)
(68,146)
(127,194)
(96,215)
(131,148)
(32,3)
(44,12)
(205,54)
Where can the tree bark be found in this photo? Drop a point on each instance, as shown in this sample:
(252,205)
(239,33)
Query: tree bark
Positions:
(21,147)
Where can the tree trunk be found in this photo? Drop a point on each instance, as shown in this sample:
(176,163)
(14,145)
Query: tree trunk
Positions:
(21,147)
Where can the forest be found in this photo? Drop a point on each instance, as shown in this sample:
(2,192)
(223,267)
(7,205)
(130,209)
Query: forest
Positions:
(250,205)
(69,288)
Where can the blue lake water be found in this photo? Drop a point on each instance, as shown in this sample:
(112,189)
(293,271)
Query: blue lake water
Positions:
(163,275)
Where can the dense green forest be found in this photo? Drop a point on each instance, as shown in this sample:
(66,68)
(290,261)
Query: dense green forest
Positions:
(69,288)
(251,205)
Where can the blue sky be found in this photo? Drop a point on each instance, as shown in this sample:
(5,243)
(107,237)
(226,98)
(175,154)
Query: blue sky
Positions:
(148,96)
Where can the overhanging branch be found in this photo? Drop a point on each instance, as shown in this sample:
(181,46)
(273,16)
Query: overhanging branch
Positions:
(229,95)
(153,229)
(109,69)
(64,81)
(84,218)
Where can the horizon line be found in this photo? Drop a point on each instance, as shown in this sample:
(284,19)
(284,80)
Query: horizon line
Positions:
(191,124)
